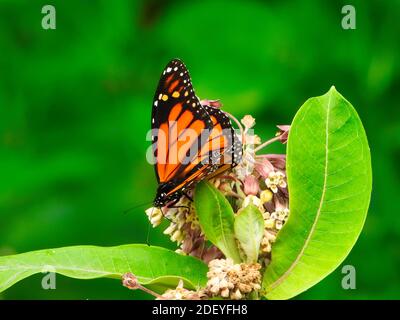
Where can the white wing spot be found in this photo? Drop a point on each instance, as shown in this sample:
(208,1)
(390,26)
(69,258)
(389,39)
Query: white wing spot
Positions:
(169,69)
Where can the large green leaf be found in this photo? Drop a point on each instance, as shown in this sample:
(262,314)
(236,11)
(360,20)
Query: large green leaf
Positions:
(216,218)
(330,179)
(153,266)
(249,230)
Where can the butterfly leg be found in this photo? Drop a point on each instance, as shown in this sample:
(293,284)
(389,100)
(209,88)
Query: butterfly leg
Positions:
(164,214)
(172,205)
(187,196)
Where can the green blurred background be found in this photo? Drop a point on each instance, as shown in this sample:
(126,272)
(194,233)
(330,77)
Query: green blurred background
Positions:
(75,107)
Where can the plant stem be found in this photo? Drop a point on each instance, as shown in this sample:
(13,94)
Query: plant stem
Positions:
(266,143)
(151,292)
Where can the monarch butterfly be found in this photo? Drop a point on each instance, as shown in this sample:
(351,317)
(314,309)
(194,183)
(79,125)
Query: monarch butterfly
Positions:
(190,141)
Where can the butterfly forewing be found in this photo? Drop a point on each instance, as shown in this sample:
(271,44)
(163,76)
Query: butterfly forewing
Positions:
(180,124)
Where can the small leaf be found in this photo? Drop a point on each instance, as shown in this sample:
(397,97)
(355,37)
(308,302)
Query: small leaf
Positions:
(154,266)
(216,218)
(249,230)
(329,178)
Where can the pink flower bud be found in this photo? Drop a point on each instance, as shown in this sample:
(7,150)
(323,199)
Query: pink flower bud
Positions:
(284,132)
(251,186)
(212,103)
(130,281)
(264,167)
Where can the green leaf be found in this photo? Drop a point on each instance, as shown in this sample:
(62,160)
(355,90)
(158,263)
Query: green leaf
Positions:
(249,230)
(216,218)
(153,266)
(330,181)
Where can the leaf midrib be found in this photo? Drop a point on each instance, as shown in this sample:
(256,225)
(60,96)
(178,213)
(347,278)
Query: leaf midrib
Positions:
(59,267)
(306,242)
(253,241)
(220,217)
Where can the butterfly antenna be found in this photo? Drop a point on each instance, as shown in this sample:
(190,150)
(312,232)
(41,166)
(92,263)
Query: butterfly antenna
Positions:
(137,206)
(148,230)
(148,235)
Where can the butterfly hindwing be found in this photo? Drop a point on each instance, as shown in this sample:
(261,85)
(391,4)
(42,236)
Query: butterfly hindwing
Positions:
(224,142)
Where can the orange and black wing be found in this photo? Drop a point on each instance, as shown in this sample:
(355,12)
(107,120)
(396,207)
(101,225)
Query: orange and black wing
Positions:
(221,150)
(180,125)
(190,141)
(224,143)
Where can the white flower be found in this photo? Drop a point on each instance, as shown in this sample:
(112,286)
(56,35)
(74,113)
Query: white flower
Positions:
(180,293)
(275,179)
(155,216)
(253,139)
(267,240)
(246,166)
(230,280)
(277,218)
(278,224)
(250,199)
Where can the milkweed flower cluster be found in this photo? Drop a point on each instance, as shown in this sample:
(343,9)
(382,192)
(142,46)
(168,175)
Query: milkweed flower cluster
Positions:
(180,293)
(230,280)
(225,279)
(259,179)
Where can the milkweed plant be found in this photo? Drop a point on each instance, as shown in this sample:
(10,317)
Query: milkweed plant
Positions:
(270,227)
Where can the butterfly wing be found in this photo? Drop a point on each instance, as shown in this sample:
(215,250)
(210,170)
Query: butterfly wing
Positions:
(180,124)
(224,143)
(190,141)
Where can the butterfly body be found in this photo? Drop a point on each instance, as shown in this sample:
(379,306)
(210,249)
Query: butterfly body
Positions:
(164,194)
(190,140)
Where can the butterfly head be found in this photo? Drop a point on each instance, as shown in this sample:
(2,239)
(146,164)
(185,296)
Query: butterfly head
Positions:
(164,195)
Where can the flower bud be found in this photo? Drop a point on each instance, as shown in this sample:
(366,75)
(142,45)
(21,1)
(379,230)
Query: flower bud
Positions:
(265,196)
(171,228)
(130,281)
(248,121)
(264,167)
(251,200)
(155,216)
(283,133)
(251,186)
(176,236)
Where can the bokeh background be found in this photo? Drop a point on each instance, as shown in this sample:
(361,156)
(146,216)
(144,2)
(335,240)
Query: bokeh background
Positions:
(75,107)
